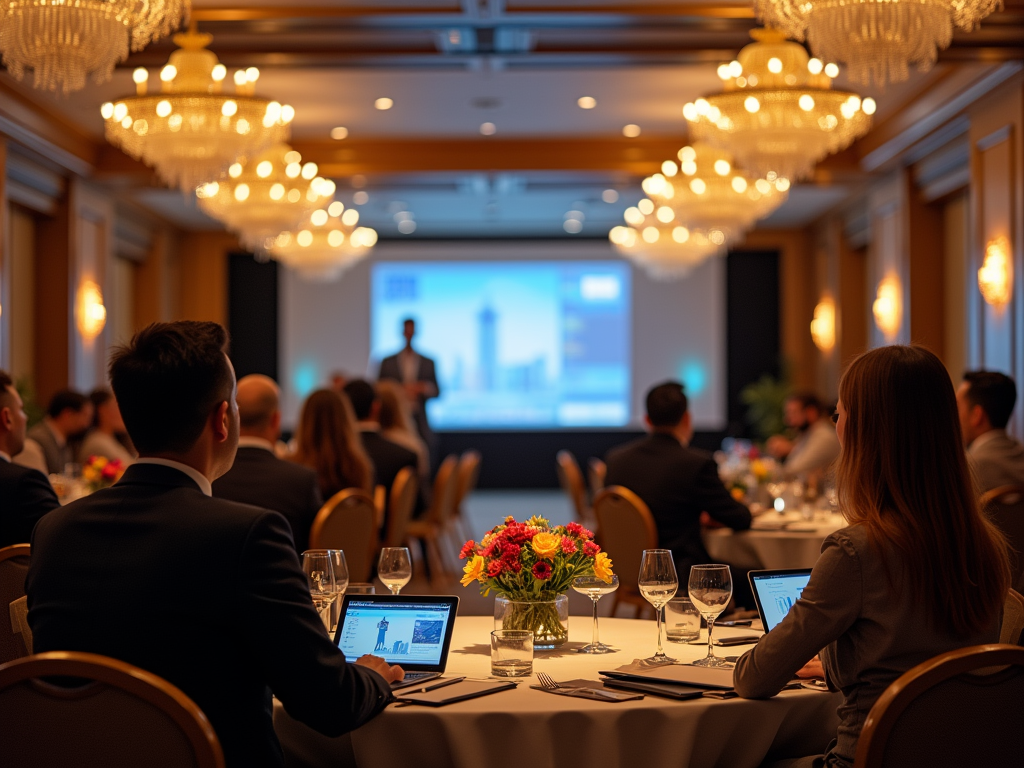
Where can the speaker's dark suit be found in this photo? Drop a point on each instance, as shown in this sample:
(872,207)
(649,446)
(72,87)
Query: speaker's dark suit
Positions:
(258,477)
(25,496)
(203,592)
(677,483)
(391,368)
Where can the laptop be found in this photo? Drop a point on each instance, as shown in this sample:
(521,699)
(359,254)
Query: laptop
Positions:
(776,591)
(412,631)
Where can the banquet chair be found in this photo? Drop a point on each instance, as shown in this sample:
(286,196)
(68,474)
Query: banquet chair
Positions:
(1005,507)
(348,521)
(431,528)
(401,503)
(963,707)
(1013,618)
(571,479)
(121,715)
(597,470)
(468,471)
(14,562)
(19,622)
(380,501)
(625,528)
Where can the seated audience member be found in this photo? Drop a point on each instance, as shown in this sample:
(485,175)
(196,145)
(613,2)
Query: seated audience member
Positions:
(107,425)
(677,482)
(815,446)
(919,571)
(25,493)
(258,477)
(387,457)
(985,401)
(396,424)
(46,446)
(327,442)
(206,593)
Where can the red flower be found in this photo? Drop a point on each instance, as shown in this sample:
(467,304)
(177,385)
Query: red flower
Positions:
(489,549)
(579,531)
(590,548)
(495,568)
(542,570)
(568,546)
(510,552)
(514,565)
(467,549)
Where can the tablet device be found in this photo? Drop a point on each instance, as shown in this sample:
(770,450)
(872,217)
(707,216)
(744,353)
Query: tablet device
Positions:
(776,591)
(412,631)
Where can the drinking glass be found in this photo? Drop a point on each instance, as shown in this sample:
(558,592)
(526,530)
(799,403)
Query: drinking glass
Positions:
(595,589)
(682,621)
(658,584)
(316,564)
(511,652)
(710,590)
(341,578)
(777,489)
(394,568)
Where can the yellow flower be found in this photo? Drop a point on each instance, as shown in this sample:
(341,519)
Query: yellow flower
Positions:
(737,493)
(546,545)
(474,570)
(603,566)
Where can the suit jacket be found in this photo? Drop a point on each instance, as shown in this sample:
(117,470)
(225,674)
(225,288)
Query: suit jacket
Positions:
(25,496)
(677,483)
(207,594)
(388,459)
(259,478)
(391,368)
(997,459)
(57,456)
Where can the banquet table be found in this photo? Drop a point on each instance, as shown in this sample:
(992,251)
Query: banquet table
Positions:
(769,545)
(529,728)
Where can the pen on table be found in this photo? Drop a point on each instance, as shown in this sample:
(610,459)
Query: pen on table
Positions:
(439,684)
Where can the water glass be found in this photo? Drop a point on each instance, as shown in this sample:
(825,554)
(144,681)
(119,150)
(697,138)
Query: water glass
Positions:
(710,588)
(316,564)
(394,568)
(511,653)
(682,621)
(340,584)
(658,583)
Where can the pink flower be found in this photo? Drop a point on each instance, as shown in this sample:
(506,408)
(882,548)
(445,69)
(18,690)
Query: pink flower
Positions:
(495,568)
(542,570)
(590,548)
(568,546)
(467,549)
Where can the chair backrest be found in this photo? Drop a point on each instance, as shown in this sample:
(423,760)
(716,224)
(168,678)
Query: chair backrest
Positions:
(445,487)
(1013,618)
(571,479)
(121,714)
(14,562)
(401,504)
(19,622)
(348,521)
(963,707)
(1005,507)
(625,529)
(380,501)
(597,470)
(469,472)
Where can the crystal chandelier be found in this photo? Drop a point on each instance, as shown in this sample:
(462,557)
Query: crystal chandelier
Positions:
(876,39)
(664,251)
(264,196)
(191,132)
(778,114)
(62,41)
(327,245)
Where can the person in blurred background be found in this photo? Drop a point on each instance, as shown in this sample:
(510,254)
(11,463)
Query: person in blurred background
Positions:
(68,415)
(396,424)
(985,400)
(418,376)
(328,443)
(814,446)
(104,439)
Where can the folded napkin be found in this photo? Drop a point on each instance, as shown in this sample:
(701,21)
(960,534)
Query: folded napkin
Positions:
(589,689)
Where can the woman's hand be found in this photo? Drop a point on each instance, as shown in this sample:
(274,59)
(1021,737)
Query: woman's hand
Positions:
(812,668)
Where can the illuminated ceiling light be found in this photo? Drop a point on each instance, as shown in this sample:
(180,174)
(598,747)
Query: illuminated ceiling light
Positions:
(888,307)
(995,278)
(572,226)
(823,326)
(322,252)
(586,102)
(666,252)
(339,133)
(90,313)
(610,196)
(360,198)
(488,129)
(384,103)
(631,131)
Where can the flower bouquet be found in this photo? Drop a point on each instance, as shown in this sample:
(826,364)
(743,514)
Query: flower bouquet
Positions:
(100,472)
(531,566)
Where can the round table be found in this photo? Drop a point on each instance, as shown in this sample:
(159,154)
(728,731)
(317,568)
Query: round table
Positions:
(526,728)
(770,545)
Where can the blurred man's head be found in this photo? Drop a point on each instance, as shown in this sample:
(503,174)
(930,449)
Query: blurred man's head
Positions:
(363,397)
(259,413)
(12,417)
(802,410)
(70,412)
(984,402)
(338,381)
(106,414)
(667,410)
(408,330)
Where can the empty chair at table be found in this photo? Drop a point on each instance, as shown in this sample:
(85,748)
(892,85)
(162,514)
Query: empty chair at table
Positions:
(625,529)
(14,563)
(571,479)
(348,521)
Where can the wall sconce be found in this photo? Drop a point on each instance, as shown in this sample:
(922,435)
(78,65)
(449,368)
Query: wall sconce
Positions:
(887,308)
(823,326)
(90,314)
(995,278)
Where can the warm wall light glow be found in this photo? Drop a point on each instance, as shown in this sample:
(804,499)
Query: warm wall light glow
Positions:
(995,278)
(888,308)
(823,326)
(90,313)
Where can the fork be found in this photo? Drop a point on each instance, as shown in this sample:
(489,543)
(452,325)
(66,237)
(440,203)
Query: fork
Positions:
(547,682)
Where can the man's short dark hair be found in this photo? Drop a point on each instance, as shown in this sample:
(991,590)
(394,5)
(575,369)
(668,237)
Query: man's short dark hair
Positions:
(65,400)
(361,394)
(167,380)
(995,392)
(808,400)
(407,320)
(6,384)
(666,404)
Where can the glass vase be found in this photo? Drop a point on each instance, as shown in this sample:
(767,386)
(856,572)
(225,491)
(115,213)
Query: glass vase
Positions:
(547,619)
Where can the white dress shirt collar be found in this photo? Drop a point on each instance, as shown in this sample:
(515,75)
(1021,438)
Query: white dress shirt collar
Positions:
(244,441)
(5,456)
(192,472)
(983,438)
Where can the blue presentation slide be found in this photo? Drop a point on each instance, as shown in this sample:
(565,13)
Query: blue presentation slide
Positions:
(397,633)
(530,345)
(777,595)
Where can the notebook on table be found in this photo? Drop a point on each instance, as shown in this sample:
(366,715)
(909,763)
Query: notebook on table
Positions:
(776,591)
(414,632)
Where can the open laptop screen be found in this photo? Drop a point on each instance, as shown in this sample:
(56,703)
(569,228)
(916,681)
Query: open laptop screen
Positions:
(414,632)
(776,591)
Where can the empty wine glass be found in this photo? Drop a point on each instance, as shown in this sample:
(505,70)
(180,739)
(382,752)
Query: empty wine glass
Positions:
(316,564)
(710,589)
(595,589)
(341,579)
(394,568)
(658,584)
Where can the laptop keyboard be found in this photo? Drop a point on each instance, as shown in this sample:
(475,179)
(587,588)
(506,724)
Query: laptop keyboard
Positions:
(411,677)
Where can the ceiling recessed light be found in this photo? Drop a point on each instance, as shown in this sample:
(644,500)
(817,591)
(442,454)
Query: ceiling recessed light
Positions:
(488,129)
(384,103)
(572,226)
(631,131)
(610,196)
(360,198)
(339,133)
(586,102)
(407,226)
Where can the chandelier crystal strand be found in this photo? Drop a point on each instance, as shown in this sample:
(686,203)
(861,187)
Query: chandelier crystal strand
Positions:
(666,251)
(329,243)
(191,132)
(877,40)
(778,113)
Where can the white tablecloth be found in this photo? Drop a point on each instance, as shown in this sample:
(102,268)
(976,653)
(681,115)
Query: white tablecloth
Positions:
(525,728)
(762,547)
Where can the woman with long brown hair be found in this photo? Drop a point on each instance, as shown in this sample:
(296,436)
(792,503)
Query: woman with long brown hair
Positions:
(918,571)
(328,443)
(396,423)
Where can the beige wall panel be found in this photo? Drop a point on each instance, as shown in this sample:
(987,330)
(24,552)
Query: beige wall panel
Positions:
(957,283)
(20,304)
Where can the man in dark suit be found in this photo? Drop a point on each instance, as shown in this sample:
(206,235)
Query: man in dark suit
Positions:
(25,493)
(258,477)
(68,416)
(204,592)
(677,483)
(418,375)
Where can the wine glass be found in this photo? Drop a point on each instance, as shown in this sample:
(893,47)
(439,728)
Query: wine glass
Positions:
(341,578)
(658,584)
(776,489)
(316,564)
(394,568)
(710,590)
(595,589)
